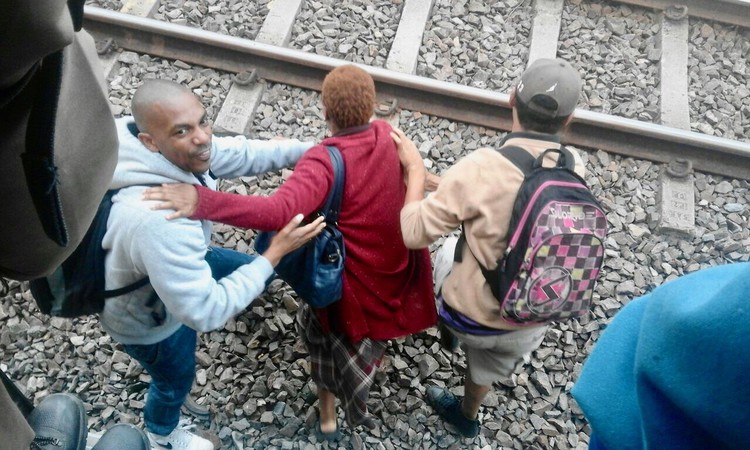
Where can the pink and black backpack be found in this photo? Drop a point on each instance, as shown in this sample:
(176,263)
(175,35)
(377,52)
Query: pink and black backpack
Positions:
(555,243)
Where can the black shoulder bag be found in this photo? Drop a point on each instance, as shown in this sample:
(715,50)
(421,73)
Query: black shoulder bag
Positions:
(315,271)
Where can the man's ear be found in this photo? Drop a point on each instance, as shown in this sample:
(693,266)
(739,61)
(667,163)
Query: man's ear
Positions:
(148,141)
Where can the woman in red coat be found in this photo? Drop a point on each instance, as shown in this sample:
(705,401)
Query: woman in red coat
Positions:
(387,288)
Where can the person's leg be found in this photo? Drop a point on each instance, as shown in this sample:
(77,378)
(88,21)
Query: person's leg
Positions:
(491,358)
(322,372)
(224,261)
(171,365)
(473,396)
(327,405)
(488,359)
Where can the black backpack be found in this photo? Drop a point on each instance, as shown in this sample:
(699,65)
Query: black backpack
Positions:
(76,287)
(555,243)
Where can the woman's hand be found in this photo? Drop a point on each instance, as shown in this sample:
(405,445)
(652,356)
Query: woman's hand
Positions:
(292,237)
(183,198)
(415,175)
(408,153)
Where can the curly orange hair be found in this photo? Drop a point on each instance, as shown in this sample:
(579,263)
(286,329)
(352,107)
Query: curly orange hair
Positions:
(348,96)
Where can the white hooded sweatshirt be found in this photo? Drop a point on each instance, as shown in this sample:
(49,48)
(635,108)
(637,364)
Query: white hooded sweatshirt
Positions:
(141,242)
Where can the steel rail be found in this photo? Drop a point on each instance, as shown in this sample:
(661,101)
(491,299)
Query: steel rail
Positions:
(457,102)
(735,12)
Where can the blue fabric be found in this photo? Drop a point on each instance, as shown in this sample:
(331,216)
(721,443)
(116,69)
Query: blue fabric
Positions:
(224,261)
(595,443)
(171,365)
(669,372)
(171,362)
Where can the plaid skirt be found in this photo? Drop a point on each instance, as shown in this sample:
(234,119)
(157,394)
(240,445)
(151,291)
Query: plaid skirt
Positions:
(345,369)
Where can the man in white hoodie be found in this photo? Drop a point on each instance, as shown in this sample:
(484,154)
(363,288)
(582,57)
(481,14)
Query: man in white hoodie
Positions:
(193,287)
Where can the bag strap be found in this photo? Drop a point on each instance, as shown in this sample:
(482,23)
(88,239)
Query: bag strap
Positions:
(124,290)
(565,159)
(526,162)
(137,284)
(332,206)
(521,159)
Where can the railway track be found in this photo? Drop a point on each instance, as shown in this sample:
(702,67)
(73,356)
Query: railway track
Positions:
(252,373)
(661,142)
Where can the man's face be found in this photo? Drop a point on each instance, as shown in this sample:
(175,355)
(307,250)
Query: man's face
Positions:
(180,130)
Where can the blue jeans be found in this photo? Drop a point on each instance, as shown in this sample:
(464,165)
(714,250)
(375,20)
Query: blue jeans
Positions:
(171,362)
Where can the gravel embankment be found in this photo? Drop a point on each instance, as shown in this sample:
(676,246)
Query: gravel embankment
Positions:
(480,44)
(719,77)
(616,49)
(253,373)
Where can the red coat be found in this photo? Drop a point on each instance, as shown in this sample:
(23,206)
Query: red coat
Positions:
(387,287)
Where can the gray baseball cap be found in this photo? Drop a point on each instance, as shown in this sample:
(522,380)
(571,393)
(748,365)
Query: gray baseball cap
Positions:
(550,88)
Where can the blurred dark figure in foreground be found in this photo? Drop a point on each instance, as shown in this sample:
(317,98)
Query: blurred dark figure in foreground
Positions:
(59,148)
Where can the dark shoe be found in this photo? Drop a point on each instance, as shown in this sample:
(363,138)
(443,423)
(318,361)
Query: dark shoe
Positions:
(201,412)
(332,436)
(123,436)
(448,340)
(449,408)
(369,423)
(59,423)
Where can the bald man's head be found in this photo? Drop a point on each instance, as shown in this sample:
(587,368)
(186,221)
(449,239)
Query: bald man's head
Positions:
(149,95)
(172,121)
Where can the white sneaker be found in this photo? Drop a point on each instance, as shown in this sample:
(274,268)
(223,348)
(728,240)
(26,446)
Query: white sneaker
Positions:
(180,439)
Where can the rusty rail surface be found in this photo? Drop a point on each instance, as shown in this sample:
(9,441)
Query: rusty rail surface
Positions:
(452,101)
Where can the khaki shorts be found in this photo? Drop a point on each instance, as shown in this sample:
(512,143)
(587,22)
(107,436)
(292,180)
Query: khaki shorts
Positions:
(488,358)
(492,358)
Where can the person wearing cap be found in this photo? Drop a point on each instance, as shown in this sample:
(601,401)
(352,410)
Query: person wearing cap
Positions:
(478,192)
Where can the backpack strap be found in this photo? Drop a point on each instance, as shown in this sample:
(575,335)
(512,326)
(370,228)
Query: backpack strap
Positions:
(332,206)
(565,158)
(137,284)
(526,162)
(519,157)
(129,288)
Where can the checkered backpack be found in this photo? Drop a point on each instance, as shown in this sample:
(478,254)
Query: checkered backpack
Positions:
(556,243)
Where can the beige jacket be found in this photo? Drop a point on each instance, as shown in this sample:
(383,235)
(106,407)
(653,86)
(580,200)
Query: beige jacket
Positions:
(479,190)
